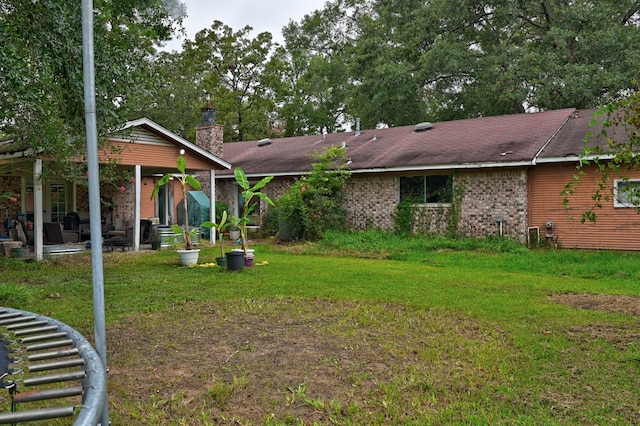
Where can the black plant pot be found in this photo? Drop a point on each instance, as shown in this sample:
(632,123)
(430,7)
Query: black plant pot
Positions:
(235,261)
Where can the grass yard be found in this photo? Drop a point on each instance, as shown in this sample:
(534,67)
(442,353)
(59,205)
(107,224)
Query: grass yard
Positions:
(360,329)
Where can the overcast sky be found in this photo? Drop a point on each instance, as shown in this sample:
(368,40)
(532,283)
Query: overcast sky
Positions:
(262,15)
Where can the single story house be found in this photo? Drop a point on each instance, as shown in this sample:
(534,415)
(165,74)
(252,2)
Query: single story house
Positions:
(483,176)
(144,149)
(499,175)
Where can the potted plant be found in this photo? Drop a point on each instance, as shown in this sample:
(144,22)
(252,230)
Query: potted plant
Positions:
(248,193)
(188,255)
(221,261)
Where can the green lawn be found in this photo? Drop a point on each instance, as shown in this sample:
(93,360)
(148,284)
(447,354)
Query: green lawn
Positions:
(401,331)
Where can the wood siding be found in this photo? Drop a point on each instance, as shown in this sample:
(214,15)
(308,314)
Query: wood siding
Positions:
(616,228)
(147,205)
(148,155)
(140,137)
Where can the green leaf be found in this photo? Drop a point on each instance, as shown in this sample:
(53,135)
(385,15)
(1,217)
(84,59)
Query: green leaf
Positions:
(241,178)
(264,197)
(182,164)
(262,183)
(193,182)
(163,181)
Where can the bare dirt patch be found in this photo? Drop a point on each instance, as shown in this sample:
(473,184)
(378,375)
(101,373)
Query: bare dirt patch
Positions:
(287,360)
(626,305)
(619,336)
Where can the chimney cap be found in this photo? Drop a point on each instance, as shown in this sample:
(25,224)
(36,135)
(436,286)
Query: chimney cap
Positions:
(208,113)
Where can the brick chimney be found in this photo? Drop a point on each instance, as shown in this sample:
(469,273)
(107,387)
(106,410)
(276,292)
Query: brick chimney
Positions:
(209,134)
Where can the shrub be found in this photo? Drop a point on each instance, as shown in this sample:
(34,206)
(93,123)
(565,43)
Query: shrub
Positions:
(314,204)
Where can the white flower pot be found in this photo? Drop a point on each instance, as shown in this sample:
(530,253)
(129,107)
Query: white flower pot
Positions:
(188,257)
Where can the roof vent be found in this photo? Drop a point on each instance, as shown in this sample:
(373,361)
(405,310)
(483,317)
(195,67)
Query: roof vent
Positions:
(264,142)
(421,127)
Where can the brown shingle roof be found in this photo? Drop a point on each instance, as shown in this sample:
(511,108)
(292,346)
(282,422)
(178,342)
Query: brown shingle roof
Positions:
(501,140)
(569,142)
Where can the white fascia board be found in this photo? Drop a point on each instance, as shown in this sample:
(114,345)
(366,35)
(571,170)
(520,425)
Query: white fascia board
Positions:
(573,159)
(465,166)
(261,175)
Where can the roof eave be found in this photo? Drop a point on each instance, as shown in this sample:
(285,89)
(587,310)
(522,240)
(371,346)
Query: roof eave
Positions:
(423,168)
(573,158)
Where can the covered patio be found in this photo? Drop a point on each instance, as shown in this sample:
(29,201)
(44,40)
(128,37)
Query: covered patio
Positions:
(144,151)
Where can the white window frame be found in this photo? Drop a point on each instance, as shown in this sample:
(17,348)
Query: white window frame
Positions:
(621,201)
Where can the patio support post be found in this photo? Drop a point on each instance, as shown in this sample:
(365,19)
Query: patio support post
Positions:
(136,209)
(23,193)
(38,210)
(212,207)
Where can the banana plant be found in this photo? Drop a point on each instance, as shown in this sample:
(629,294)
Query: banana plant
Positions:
(220,228)
(248,193)
(185,180)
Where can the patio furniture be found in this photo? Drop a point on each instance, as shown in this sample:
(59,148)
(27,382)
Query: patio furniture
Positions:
(54,234)
(71,226)
(123,242)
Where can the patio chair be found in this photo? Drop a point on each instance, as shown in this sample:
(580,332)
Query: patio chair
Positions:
(120,241)
(52,233)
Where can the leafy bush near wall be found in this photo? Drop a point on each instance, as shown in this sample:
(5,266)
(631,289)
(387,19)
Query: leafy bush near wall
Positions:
(315,203)
(453,219)
(269,225)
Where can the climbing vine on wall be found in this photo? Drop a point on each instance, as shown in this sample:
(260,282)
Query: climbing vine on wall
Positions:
(411,217)
(454,213)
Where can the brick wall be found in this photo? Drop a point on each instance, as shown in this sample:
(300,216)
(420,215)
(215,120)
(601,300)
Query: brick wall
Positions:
(489,194)
(371,202)
(209,137)
(227,190)
(483,196)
